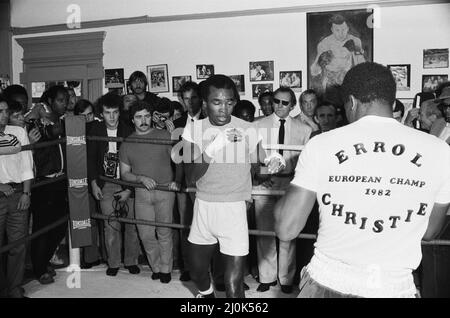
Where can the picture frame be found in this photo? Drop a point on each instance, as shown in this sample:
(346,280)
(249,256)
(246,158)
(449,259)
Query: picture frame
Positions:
(435,58)
(402,76)
(114,78)
(178,81)
(261,71)
(328,59)
(431,82)
(128,87)
(158,78)
(291,79)
(258,89)
(204,70)
(408,103)
(240,83)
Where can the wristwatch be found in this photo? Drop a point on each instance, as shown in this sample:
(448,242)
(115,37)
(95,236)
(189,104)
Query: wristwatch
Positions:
(27,193)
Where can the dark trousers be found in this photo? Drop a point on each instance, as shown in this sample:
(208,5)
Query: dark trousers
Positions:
(48,204)
(15,223)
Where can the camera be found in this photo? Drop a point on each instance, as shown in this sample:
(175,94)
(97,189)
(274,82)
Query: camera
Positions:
(111,163)
(44,130)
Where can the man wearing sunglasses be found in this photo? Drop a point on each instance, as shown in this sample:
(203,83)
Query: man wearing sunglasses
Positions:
(278,128)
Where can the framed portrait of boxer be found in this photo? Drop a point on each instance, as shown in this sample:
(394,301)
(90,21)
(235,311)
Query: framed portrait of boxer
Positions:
(240,84)
(261,71)
(158,78)
(435,58)
(291,79)
(431,82)
(402,76)
(337,40)
(258,89)
(178,81)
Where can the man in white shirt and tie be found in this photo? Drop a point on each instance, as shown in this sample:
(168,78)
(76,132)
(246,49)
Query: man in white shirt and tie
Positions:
(278,128)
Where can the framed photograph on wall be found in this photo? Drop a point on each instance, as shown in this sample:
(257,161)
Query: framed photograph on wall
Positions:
(178,81)
(204,70)
(407,103)
(114,78)
(435,58)
(158,78)
(337,40)
(128,87)
(240,84)
(261,88)
(431,82)
(261,71)
(402,76)
(292,79)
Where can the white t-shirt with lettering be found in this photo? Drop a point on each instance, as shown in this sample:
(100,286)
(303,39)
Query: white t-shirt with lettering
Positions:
(376,182)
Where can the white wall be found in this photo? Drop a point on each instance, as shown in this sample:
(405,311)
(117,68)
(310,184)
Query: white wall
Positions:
(44,12)
(230,43)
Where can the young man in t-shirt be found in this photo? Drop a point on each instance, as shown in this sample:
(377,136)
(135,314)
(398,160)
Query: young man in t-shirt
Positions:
(221,147)
(382,187)
(103,161)
(150,165)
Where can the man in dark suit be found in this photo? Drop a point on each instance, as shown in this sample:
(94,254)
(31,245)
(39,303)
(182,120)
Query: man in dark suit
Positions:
(192,102)
(103,161)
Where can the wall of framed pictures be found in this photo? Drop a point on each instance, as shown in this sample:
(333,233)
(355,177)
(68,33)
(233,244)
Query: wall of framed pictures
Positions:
(230,44)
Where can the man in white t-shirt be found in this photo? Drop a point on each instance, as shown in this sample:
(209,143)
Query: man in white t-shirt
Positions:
(381,187)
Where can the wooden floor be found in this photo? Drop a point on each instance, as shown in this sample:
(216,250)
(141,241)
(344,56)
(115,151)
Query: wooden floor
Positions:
(93,283)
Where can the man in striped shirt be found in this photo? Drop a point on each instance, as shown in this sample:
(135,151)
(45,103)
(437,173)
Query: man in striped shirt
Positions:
(16,169)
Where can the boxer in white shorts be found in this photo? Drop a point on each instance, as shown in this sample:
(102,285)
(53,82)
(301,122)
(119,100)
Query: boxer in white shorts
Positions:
(222,146)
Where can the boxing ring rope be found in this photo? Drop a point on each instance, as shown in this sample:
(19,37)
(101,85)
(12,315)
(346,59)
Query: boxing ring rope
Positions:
(34,235)
(255,192)
(74,252)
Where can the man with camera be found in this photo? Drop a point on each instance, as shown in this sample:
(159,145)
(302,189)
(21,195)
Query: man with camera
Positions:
(103,160)
(162,112)
(150,165)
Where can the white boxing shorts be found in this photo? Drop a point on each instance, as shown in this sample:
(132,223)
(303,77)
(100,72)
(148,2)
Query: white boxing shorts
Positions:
(223,222)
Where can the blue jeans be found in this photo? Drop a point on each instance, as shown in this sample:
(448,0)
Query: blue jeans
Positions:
(158,243)
(113,232)
(15,223)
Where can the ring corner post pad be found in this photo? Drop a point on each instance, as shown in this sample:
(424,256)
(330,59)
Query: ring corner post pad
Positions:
(76,158)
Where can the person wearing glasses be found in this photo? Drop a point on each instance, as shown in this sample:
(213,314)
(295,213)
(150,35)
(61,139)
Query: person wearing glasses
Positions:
(278,128)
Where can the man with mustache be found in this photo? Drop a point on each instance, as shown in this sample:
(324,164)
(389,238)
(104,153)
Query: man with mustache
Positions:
(150,165)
